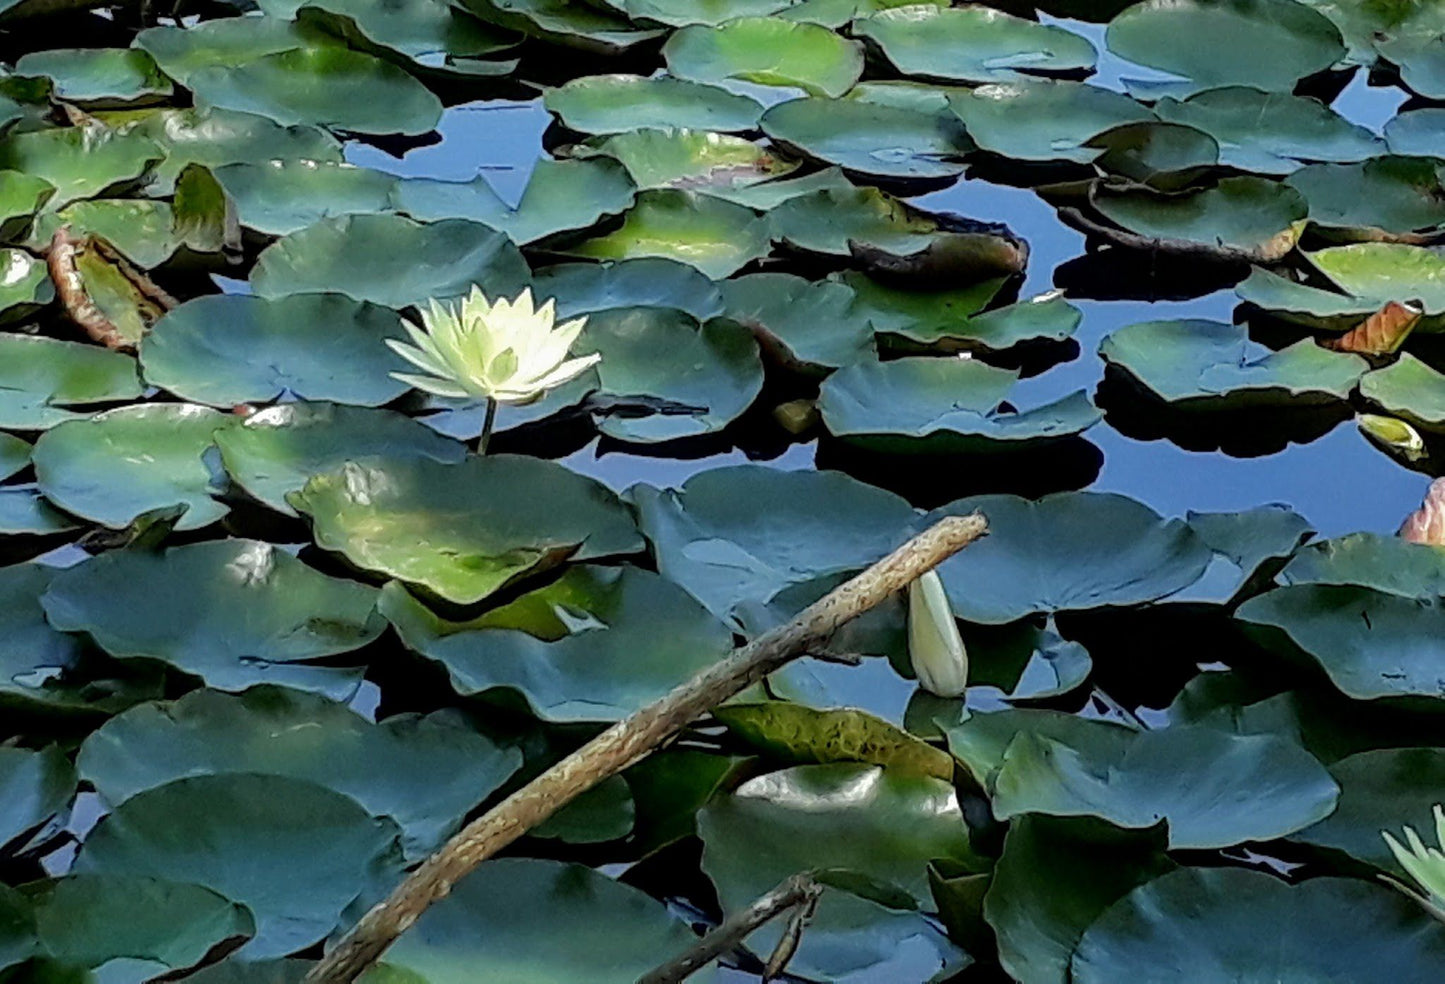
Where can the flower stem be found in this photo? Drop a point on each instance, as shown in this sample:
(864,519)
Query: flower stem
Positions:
(487,422)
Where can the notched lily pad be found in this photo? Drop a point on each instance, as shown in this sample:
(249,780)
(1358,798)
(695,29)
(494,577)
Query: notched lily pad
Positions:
(696,160)
(1041,120)
(623,103)
(717,237)
(972,44)
(768,51)
(874,140)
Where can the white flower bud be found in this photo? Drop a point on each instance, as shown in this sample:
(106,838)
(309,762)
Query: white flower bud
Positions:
(934,645)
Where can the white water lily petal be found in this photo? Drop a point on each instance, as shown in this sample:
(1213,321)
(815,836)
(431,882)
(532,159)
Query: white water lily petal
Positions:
(1426,865)
(934,644)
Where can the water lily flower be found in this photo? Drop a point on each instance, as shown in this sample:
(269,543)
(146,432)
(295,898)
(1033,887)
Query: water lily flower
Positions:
(1427,524)
(934,645)
(1424,864)
(506,351)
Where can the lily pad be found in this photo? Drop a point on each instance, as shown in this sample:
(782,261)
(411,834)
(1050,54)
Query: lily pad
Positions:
(597,644)
(79,161)
(972,44)
(230,349)
(280,197)
(36,788)
(746,532)
(1214,789)
(711,372)
(426,773)
(1271,132)
(1204,364)
(24,283)
(181,52)
(427,37)
(142,230)
(296,854)
(391,260)
(1164,156)
(717,237)
(114,466)
(1418,133)
(589,27)
(804,324)
(1268,44)
(1212,925)
(1382,198)
(21,196)
(849,821)
(696,160)
(1244,218)
(1409,389)
(623,103)
(870,139)
(98,76)
(560,196)
(238,613)
(466,530)
(24,512)
(128,927)
(587,288)
(1371,644)
(521,919)
(1119,552)
(798,734)
(1381,272)
(768,51)
(321,85)
(1385,563)
(768,195)
(274,452)
(1043,120)
(943,405)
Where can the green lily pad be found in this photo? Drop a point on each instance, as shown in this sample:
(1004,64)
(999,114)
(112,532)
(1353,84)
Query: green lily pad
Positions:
(870,829)
(697,160)
(214,138)
(1380,790)
(522,920)
(768,195)
(802,735)
(587,288)
(1163,156)
(116,926)
(14,455)
(1381,198)
(1409,389)
(323,86)
(591,28)
(391,260)
(767,51)
(1043,120)
(681,13)
(1119,552)
(230,349)
(711,537)
(1267,44)
(1214,789)
(870,139)
(560,196)
(1204,364)
(141,229)
(717,237)
(274,452)
(427,37)
(98,76)
(281,197)
(466,530)
(181,52)
(1422,67)
(597,644)
(892,237)
(1055,877)
(710,370)
(603,813)
(21,196)
(24,512)
(1371,644)
(296,854)
(1384,563)
(623,103)
(1418,133)
(972,44)
(1042,318)
(1247,545)
(1382,272)
(24,283)
(1270,132)
(943,405)
(1244,218)
(923,316)
(79,161)
(114,466)
(238,613)
(805,324)
(36,789)
(426,773)
(1212,925)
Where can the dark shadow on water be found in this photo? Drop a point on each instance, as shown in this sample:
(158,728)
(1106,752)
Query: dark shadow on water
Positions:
(1112,273)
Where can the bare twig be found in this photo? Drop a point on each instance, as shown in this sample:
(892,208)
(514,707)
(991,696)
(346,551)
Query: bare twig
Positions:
(1269,251)
(631,740)
(798,893)
(70,288)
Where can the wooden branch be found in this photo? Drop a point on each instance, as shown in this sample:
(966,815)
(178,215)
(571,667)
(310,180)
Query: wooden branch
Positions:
(70,288)
(632,739)
(799,891)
